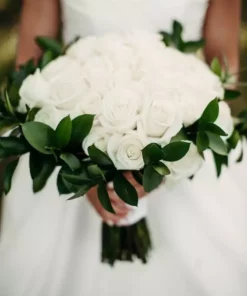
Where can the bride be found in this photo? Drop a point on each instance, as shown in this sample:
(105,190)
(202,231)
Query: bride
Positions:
(51,247)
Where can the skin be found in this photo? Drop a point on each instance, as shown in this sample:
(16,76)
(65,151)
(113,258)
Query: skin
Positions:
(221,30)
(38,18)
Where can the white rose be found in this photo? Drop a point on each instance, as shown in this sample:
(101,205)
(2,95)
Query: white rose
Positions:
(90,103)
(83,49)
(192,109)
(113,46)
(67,82)
(121,78)
(98,72)
(160,119)
(50,115)
(120,109)
(126,151)
(189,101)
(225,120)
(99,137)
(187,166)
(34,92)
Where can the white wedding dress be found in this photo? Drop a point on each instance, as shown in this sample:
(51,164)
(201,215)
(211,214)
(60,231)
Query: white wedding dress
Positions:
(51,247)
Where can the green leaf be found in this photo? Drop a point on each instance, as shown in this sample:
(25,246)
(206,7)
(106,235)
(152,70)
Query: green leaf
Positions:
(79,177)
(99,157)
(71,160)
(82,191)
(177,29)
(8,105)
(10,146)
(202,141)
(231,94)
(166,38)
(15,132)
(215,129)
(46,43)
(104,197)
(39,136)
(152,153)
(8,175)
(241,156)
(47,57)
(2,103)
(180,136)
(62,189)
(137,176)
(16,80)
(220,161)
(177,36)
(234,139)
(193,46)
(211,112)
(6,125)
(72,188)
(243,115)
(242,128)
(41,167)
(81,127)
(161,169)
(175,151)
(217,144)
(76,179)
(125,190)
(13,91)
(63,132)
(95,172)
(31,114)
(216,67)
(151,178)
(29,68)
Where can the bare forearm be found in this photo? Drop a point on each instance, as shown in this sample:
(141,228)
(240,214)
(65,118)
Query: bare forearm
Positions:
(221,32)
(38,18)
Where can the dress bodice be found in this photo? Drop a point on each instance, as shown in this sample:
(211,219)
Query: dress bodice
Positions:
(96,17)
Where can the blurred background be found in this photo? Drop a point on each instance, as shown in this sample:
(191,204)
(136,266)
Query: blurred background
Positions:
(9,18)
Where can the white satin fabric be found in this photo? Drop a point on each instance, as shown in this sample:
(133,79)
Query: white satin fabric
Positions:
(51,247)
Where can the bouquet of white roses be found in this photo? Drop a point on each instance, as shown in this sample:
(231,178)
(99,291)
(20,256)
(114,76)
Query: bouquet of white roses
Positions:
(111,104)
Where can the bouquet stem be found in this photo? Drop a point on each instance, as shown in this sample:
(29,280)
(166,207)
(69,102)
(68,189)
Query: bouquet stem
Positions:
(124,243)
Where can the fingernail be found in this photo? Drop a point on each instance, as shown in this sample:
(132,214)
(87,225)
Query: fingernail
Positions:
(110,185)
(109,223)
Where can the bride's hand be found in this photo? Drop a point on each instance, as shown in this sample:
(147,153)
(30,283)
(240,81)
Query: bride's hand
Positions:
(118,205)
(120,208)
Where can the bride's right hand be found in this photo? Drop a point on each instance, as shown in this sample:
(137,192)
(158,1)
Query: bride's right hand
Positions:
(118,205)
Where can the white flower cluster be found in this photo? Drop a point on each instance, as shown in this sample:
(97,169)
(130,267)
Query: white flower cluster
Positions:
(140,91)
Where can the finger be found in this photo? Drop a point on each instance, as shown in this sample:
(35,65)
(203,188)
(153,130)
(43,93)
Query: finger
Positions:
(120,210)
(130,178)
(133,181)
(141,192)
(115,198)
(107,216)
